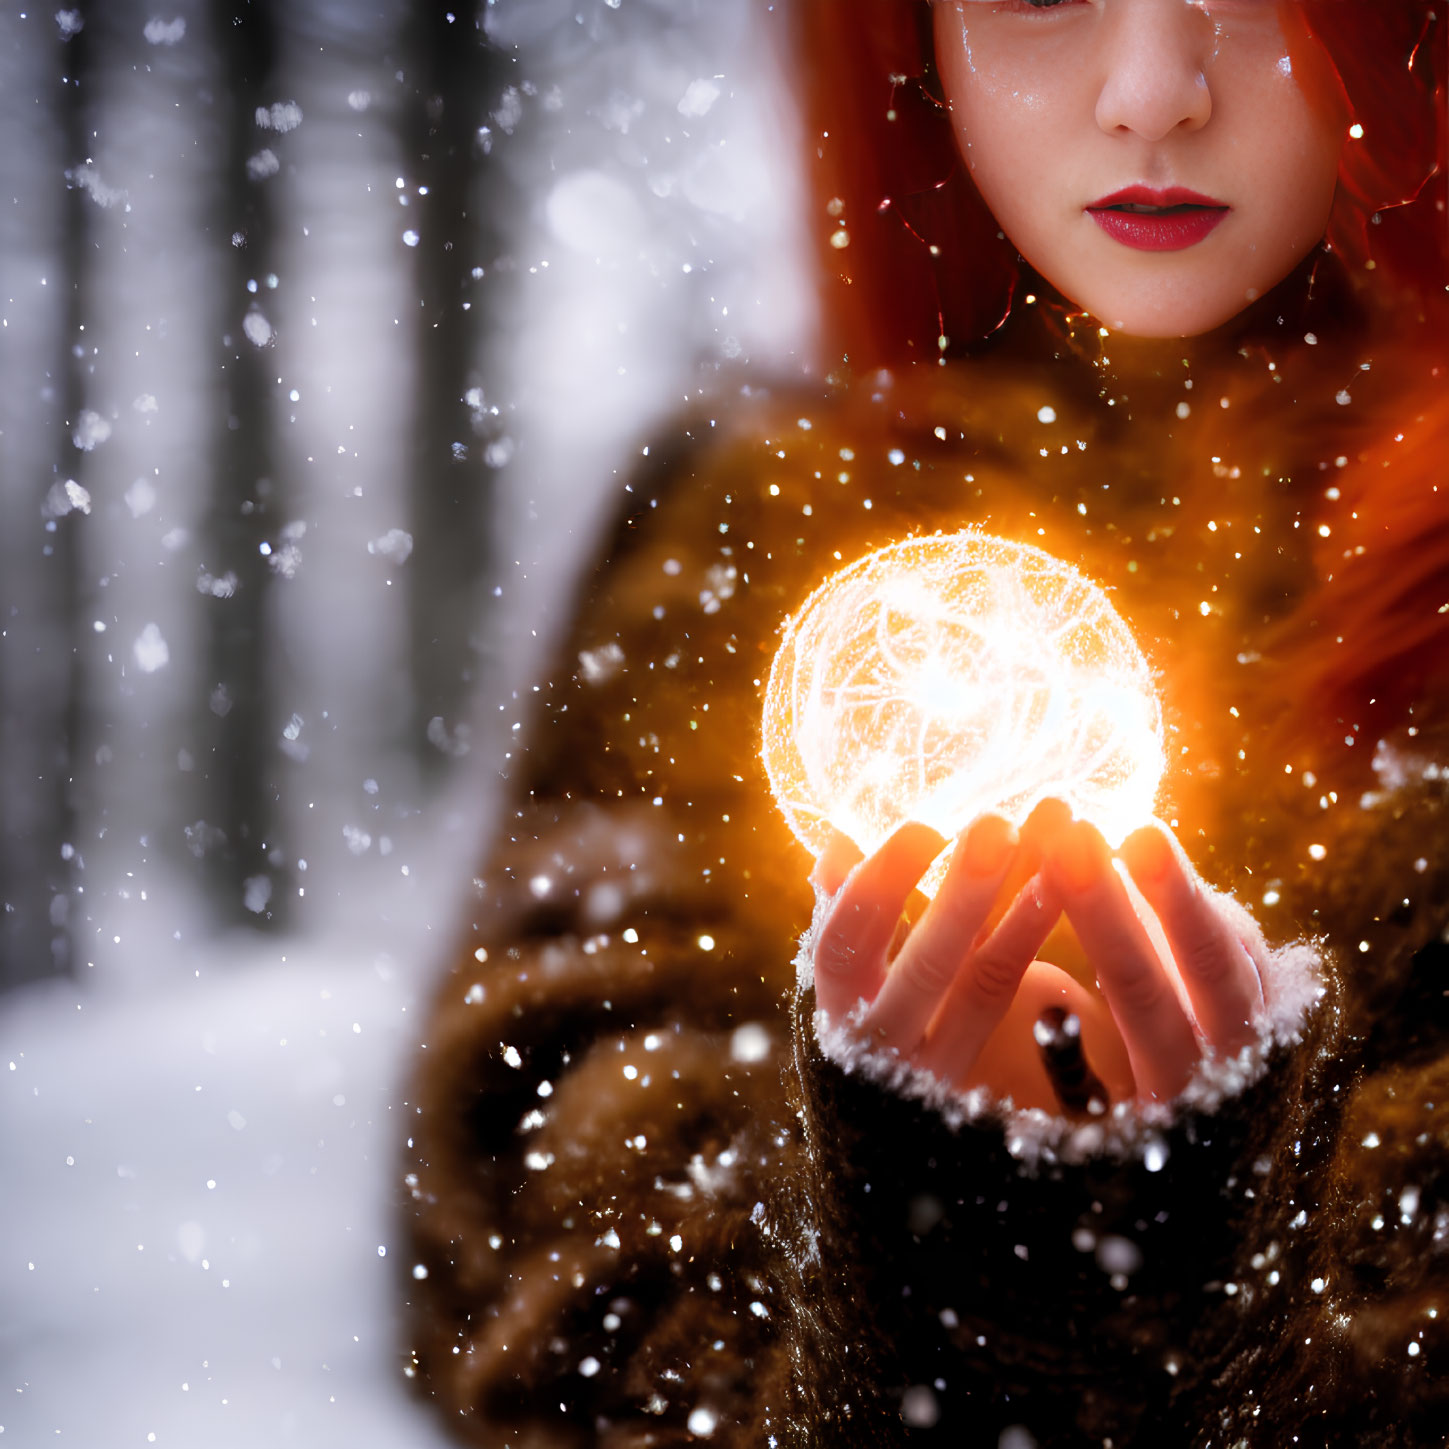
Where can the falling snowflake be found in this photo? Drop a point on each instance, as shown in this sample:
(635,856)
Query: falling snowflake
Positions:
(164,32)
(151,650)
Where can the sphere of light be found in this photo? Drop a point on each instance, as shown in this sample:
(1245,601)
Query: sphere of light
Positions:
(954,674)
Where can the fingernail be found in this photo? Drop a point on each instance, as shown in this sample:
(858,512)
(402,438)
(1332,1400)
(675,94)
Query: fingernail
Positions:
(1148,855)
(913,847)
(835,862)
(989,843)
(1081,856)
(1047,821)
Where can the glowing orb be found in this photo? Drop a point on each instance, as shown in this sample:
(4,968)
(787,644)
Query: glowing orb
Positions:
(945,676)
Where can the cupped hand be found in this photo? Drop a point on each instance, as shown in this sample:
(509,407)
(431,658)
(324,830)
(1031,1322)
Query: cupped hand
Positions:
(1174,969)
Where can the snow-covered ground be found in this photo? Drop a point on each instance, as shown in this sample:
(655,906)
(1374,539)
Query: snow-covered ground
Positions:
(200,1245)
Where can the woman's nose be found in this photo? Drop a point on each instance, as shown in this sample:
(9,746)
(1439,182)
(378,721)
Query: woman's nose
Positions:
(1153,57)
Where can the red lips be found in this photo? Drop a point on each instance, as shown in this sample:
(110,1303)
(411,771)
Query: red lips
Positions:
(1150,220)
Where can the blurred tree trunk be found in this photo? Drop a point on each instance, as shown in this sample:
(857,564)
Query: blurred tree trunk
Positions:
(243,504)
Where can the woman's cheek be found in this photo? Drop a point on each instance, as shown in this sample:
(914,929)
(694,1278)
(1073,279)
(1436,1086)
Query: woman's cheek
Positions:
(1297,180)
(1314,77)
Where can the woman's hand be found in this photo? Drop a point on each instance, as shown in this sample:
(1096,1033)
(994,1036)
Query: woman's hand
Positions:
(962,994)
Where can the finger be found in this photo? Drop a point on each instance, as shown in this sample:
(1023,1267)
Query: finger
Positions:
(1044,826)
(840,856)
(1216,965)
(1047,820)
(1160,1041)
(850,951)
(1007,1063)
(939,943)
(986,985)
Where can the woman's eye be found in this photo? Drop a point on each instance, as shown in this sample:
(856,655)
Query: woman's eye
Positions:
(1024,7)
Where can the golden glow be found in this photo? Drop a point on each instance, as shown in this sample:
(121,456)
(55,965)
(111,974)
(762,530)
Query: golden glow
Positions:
(949,675)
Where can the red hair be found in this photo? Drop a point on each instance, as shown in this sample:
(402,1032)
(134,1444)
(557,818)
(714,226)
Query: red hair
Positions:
(910,254)
(1375,634)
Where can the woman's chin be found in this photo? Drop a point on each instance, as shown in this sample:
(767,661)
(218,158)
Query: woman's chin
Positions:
(1171,309)
(1143,320)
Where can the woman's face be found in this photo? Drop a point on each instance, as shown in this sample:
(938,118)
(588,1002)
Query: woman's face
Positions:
(1163,163)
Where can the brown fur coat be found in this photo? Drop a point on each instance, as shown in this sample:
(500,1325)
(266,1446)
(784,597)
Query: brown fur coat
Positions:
(652,1213)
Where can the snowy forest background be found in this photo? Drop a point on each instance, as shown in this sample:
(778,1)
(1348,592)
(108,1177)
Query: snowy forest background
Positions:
(327,332)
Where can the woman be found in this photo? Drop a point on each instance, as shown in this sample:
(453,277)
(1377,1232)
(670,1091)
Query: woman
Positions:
(1134,106)
(651,1208)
